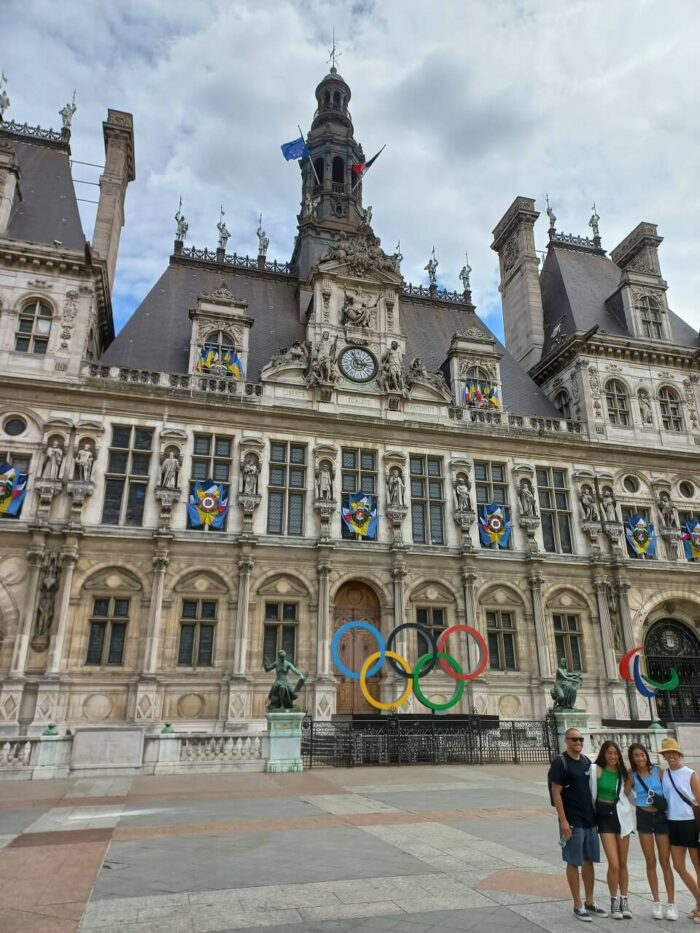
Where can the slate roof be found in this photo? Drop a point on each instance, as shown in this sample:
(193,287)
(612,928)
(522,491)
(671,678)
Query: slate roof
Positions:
(44,207)
(576,285)
(157,336)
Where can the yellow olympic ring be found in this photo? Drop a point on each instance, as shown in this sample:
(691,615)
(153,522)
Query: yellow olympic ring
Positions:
(363,681)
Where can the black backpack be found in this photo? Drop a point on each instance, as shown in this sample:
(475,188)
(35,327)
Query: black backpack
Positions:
(566,772)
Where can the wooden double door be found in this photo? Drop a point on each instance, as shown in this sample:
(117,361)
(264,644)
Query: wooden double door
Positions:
(355,601)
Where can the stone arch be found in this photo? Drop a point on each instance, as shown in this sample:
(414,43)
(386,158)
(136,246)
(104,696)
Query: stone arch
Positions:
(371,579)
(644,483)
(560,593)
(443,591)
(35,428)
(492,587)
(124,576)
(269,584)
(677,602)
(188,581)
(9,615)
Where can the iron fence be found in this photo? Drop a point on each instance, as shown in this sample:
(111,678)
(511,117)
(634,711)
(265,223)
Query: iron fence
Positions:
(403,740)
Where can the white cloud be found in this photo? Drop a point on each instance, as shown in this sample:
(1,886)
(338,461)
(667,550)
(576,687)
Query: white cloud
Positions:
(477,101)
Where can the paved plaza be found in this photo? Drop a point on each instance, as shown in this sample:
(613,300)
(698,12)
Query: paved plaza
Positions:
(367,850)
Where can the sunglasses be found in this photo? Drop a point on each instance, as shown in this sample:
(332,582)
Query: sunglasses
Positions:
(575,738)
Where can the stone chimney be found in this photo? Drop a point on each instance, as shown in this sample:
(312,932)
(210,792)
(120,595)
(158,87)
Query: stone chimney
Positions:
(118,132)
(523,318)
(9,177)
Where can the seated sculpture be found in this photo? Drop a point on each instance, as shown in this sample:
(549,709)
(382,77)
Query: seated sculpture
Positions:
(565,687)
(282,693)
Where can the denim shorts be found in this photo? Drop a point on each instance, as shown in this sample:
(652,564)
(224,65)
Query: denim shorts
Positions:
(652,822)
(584,846)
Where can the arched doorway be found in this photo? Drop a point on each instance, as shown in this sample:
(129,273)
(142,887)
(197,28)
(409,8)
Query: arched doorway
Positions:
(358,602)
(669,643)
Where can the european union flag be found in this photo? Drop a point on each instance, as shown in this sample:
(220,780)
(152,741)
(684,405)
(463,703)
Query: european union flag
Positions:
(296,149)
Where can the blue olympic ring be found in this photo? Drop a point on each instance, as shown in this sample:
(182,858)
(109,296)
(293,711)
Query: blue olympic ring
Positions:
(377,635)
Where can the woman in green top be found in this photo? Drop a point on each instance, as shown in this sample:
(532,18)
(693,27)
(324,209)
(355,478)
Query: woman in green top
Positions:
(611,775)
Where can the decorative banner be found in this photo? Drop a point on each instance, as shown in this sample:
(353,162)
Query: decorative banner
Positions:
(373,664)
(645,685)
(691,539)
(494,525)
(226,364)
(13,489)
(208,505)
(359,513)
(476,396)
(641,536)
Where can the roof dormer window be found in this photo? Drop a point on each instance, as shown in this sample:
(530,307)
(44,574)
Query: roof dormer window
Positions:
(33,328)
(650,317)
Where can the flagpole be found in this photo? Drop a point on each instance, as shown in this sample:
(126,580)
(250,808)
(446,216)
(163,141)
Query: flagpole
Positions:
(374,159)
(313,167)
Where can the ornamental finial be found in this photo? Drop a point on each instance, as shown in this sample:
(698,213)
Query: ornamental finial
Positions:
(334,55)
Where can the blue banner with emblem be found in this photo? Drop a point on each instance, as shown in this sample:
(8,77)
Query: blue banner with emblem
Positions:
(359,512)
(13,489)
(494,525)
(641,536)
(691,539)
(208,505)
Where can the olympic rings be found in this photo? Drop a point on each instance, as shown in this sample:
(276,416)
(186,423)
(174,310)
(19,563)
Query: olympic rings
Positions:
(483,652)
(429,641)
(418,670)
(377,704)
(373,630)
(423,666)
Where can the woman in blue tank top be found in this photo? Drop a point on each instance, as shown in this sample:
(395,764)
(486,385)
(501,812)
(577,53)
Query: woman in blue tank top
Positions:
(652,825)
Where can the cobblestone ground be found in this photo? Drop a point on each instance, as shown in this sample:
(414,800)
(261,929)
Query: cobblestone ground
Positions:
(407,850)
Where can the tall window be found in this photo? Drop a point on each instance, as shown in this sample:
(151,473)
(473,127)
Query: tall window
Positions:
(127,476)
(432,617)
(563,403)
(568,640)
(670,405)
(359,470)
(427,500)
(218,349)
(500,628)
(490,480)
(107,631)
(33,328)
(650,317)
(618,402)
(211,459)
(479,388)
(280,631)
(197,624)
(555,509)
(286,493)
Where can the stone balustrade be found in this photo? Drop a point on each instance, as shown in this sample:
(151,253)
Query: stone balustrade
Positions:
(649,738)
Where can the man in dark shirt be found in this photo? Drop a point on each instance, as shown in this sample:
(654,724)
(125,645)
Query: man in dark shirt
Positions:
(570,776)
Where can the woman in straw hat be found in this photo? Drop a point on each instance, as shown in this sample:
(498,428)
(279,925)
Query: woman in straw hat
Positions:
(682,790)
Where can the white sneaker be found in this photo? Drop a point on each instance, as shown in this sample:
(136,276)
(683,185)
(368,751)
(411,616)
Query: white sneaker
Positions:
(672,912)
(657,911)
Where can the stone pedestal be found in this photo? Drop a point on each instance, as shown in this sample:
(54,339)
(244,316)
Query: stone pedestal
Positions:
(282,744)
(572,719)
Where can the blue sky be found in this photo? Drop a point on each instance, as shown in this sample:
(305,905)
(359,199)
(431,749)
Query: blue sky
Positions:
(477,102)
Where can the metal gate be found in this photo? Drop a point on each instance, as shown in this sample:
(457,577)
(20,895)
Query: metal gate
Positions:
(671,644)
(404,740)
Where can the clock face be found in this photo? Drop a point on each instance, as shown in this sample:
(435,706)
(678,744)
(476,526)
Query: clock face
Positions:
(358,364)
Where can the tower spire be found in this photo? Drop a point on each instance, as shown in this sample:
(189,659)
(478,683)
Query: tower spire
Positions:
(334,55)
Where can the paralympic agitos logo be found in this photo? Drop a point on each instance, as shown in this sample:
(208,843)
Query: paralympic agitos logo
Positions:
(645,685)
(426,663)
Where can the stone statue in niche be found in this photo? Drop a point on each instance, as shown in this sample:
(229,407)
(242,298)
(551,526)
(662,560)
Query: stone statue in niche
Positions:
(51,461)
(526,497)
(250,473)
(391,377)
(667,510)
(395,487)
(170,471)
(84,462)
(324,481)
(47,593)
(357,310)
(587,501)
(645,407)
(609,504)
(462,494)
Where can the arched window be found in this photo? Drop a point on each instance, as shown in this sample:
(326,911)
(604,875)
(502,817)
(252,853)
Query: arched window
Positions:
(479,389)
(618,402)
(670,405)
(336,100)
(318,165)
(218,356)
(338,172)
(33,328)
(650,317)
(563,403)
(327,99)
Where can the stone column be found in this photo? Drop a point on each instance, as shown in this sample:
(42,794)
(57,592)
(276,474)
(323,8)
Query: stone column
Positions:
(392,684)
(620,587)
(324,690)
(240,698)
(601,593)
(147,702)
(470,654)
(536,581)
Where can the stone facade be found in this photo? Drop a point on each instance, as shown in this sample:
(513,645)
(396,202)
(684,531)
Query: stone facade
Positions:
(117,607)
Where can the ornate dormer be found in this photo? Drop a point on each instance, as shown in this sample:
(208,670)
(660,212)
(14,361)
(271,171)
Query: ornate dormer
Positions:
(640,300)
(220,337)
(474,369)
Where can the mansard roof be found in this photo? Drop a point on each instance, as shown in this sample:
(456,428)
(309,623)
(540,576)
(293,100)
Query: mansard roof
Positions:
(157,336)
(45,207)
(576,284)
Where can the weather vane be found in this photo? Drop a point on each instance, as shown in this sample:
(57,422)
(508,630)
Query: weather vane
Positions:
(334,55)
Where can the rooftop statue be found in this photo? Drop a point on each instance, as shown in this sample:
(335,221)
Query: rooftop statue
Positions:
(593,222)
(465,273)
(282,693)
(4,99)
(263,239)
(224,232)
(182,224)
(431,269)
(67,112)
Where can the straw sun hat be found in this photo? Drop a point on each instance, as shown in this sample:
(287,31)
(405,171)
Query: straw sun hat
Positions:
(670,745)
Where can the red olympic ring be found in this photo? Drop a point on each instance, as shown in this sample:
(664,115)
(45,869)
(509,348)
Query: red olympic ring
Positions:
(483,649)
